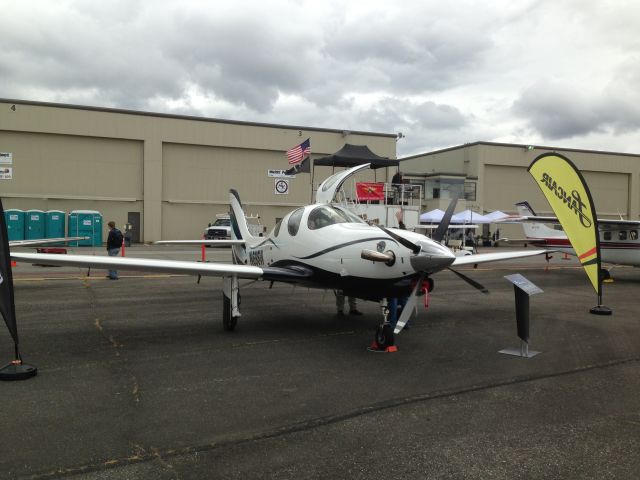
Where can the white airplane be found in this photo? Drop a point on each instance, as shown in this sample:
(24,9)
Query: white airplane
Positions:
(619,242)
(320,246)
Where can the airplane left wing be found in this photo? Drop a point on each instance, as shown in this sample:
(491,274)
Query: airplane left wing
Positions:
(142,264)
(496,257)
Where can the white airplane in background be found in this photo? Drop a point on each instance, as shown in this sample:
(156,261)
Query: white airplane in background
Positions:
(320,246)
(619,239)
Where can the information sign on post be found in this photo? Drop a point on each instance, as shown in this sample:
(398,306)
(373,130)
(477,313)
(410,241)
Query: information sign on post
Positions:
(523,289)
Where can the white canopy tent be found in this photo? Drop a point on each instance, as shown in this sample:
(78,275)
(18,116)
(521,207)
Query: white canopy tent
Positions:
(433,216)
(467,216)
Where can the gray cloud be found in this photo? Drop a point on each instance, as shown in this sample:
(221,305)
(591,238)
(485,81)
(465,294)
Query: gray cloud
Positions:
(442,73)
(559,110)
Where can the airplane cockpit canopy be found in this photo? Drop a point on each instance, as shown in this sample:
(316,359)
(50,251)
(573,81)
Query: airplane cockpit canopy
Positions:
(326,215)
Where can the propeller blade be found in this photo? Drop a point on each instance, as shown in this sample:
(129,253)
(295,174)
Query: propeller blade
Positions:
(438,235)
(470,281)
(401,240)
(408,308)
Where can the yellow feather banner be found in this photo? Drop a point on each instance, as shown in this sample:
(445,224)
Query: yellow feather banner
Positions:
(564,188)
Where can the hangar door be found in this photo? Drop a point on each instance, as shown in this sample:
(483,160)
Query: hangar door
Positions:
(506,185)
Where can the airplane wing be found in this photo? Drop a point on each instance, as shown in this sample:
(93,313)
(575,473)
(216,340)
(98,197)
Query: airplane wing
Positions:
(220,243)
(496,257)
(608,223)
(43,241)
(291,274)
(142,264)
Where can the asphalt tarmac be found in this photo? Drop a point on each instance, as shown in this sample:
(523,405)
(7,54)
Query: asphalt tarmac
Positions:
(138,380)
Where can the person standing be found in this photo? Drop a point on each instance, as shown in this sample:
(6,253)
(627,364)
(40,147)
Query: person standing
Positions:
(114,243)
(353,304)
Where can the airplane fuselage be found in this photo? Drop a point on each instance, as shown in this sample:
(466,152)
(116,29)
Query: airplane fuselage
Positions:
(330,255)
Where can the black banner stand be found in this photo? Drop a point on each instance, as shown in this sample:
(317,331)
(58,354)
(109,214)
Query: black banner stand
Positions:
(15,370)
(523,289)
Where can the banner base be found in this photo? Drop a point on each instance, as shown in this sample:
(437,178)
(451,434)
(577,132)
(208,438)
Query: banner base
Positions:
(17,370)
(600,310)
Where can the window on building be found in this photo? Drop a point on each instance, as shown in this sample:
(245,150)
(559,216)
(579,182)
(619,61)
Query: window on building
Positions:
(470,191)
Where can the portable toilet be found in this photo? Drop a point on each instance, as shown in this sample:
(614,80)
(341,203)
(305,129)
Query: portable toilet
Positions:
(34,224)
(85,223)
(14,219)
(54,223)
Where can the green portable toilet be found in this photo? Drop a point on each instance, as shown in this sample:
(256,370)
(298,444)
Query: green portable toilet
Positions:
(14,219)
(85,223)
(34,224)
(54,223)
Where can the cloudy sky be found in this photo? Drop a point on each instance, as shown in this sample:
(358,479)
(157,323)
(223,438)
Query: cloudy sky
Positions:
(561,72)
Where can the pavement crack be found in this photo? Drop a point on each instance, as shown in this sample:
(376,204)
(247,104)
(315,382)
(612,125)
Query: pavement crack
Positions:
(162,454)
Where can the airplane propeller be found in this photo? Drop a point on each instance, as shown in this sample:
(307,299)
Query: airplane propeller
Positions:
(421,263)
(401,240)
(470,281)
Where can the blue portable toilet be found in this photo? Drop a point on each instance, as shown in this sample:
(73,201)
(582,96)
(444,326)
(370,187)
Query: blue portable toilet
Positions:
(85,223)
(34,224)
(54,222)
(14,219)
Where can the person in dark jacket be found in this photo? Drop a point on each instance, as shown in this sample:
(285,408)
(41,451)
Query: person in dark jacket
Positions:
(114,242)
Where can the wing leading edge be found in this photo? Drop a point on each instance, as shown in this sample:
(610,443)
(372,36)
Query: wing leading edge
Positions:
(496,257)
(142,264)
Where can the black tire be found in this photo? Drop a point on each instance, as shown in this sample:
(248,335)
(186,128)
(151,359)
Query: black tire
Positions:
(228,322)
(604,274)
(384,335)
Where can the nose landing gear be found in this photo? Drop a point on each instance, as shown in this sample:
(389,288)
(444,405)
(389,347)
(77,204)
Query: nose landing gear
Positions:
(384,339)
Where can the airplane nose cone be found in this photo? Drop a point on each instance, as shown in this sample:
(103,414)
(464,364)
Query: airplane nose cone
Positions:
(432,258)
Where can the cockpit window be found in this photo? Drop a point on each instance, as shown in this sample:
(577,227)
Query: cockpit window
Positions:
(622,235)
(276,229)
(350,216)
(633,234)
(293,225)
(324,216)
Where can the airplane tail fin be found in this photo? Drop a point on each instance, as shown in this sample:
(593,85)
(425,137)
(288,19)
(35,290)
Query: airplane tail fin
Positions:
(535,229)
(239,227)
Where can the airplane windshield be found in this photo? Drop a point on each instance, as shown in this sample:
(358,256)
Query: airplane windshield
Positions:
(324,216)
(351,217)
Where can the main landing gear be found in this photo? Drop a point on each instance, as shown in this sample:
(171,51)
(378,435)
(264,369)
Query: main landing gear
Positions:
(230,303)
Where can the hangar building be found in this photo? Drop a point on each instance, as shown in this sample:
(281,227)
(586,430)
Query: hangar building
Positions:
(168,175)
(493,176)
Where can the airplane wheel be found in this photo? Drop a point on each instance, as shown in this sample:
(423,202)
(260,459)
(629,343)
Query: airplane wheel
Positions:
(384,335)
(604,274)
(228,322)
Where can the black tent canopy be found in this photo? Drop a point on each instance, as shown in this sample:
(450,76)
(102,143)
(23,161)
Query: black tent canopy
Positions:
(353,155)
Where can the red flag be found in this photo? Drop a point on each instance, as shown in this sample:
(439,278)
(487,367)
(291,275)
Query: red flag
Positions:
(370,191)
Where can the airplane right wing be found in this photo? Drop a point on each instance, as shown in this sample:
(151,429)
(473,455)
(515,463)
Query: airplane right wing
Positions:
(142,264)
(292,274)
(219,243)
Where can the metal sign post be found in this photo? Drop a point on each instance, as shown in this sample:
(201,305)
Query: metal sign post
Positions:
(523,290)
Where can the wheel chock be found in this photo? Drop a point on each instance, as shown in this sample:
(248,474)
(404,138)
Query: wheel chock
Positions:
(374,347)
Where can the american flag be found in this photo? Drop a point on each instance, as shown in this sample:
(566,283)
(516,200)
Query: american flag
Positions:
(297,153)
